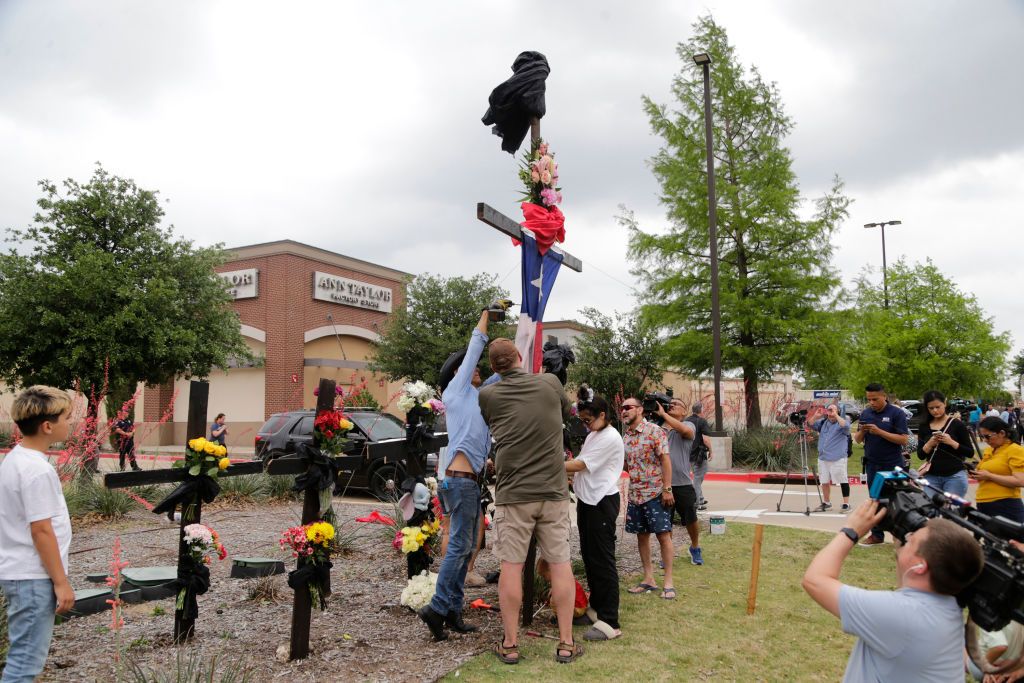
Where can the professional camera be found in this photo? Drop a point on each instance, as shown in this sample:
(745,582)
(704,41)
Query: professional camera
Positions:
(798,417)
(997,595)
(652,400)
(963,407)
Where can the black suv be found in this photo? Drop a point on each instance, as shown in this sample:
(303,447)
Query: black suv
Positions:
(282,431)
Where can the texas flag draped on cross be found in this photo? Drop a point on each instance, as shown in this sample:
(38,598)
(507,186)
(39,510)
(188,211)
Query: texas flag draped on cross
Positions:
(539,273)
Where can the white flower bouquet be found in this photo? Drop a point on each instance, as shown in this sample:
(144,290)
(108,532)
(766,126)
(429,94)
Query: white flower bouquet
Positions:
(418,593)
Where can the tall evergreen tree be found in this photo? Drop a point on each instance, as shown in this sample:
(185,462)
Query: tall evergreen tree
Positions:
(774,273)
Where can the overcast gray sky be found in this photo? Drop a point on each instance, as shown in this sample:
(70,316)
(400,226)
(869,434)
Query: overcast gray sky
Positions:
(356,126)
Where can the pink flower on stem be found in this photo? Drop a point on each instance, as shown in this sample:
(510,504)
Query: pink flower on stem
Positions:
(534,176)
(543,149)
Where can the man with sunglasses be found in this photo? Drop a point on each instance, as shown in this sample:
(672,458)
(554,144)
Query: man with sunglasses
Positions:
(649,510)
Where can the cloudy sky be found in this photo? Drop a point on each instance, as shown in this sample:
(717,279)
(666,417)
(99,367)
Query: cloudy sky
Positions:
(356,126)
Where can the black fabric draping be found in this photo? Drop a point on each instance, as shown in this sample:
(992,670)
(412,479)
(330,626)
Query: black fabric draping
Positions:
(517,100)
(557,359)
(322,472)
(194,578)
(318,574)
(202,486)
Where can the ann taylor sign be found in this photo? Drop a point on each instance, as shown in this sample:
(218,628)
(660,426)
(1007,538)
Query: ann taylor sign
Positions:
(341,290)
(242,284)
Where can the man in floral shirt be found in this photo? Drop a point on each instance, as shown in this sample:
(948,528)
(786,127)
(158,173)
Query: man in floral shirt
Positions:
(649,510)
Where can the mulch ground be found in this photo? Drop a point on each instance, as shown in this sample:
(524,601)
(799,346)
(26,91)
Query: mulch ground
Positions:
(364,635)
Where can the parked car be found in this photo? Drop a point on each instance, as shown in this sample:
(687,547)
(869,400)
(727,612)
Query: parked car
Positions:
(917,414)
(282,431)
(850,409)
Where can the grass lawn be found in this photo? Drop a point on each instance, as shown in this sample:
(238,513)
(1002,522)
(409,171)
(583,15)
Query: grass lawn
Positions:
(706,633)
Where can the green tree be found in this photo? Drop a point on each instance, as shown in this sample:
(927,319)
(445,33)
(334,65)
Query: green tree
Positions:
(1017,364)
(932,336)
(102,295)
(775,278)
(438,317)
(619,357)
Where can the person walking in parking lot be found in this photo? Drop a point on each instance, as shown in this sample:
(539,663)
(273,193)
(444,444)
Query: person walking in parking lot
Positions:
(883,431)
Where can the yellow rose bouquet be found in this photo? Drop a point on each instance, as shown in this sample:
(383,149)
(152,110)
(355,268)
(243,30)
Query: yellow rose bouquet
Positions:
(204,457)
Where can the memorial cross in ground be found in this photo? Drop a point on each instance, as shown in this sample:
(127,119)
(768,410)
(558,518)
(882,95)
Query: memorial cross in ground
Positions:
(503,223)
(184,627)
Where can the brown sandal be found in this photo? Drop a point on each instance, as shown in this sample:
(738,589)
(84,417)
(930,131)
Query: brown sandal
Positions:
(575,649)
(502,652)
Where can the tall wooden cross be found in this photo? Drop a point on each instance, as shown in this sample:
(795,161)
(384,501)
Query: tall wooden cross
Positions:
(503,223)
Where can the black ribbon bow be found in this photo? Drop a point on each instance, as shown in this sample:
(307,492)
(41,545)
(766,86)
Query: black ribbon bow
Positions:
(557,359)
(194,577)
(203,486)
(318,574)
(322,472)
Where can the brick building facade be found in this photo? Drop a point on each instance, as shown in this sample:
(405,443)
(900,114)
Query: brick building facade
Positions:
(306,313)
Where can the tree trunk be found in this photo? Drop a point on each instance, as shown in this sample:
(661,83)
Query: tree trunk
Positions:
(751,398)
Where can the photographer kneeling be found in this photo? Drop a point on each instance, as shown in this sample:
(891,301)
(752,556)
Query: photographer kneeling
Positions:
(937,562)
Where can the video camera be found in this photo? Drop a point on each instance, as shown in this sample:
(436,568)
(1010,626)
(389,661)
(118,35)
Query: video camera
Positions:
(798,417)
(997,595)
(650,405)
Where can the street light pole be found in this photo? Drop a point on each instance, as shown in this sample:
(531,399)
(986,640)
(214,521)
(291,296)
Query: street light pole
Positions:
(704,61)
(885,277)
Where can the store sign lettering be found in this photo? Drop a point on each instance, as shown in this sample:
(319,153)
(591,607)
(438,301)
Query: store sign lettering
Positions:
(242,284)
(341,290)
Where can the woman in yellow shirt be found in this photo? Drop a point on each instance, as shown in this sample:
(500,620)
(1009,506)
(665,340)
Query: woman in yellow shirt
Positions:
(1001,471)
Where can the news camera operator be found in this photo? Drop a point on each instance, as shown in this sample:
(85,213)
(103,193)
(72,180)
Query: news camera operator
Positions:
(938,561)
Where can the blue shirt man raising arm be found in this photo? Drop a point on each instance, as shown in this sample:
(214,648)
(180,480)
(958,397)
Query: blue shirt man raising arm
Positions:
(833,430)
(883,431)
(469,442)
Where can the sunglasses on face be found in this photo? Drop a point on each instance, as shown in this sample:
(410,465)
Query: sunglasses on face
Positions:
(986,437)
(625,408)
(587,420)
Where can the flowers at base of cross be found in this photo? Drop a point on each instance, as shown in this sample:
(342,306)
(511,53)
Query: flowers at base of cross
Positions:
(539,173)
(330,429)
(312,544)
(414,394)
(411,538)
(204,458)
(418,593)
(203,543)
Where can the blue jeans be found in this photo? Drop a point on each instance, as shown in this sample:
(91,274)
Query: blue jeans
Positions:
(462,501)
(955,483)
(31,605)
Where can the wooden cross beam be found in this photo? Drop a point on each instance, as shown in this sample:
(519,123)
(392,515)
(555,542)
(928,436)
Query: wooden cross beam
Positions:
(502,223)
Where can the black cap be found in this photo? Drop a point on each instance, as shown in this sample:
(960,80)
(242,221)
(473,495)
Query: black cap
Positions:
(450,367)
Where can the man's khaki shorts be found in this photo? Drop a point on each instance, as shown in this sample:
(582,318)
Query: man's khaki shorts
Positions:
(515,523)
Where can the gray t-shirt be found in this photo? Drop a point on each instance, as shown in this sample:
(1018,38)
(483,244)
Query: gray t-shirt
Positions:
(905,635)
(679,453)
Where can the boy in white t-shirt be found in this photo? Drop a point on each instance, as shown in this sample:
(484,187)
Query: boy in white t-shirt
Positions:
(35,532)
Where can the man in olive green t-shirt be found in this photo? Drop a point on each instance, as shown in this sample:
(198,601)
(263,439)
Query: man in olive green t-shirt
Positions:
(524,412)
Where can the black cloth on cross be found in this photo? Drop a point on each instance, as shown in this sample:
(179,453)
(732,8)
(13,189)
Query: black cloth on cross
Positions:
(323,469)
(517,100)
(194,578)
(205,487)
(309,573)
(557,359)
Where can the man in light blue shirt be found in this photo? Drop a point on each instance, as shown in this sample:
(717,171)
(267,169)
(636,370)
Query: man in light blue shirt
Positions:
(469,442)
(913,634)
(833,430)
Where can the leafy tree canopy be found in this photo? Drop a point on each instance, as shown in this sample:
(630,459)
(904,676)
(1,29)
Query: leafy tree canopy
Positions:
(101,292)
(775,278)
(438,318)
(616,358)
(933,336)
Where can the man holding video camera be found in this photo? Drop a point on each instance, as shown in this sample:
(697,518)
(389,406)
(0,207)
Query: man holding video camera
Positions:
(833,430)
(915,633)
(883,431)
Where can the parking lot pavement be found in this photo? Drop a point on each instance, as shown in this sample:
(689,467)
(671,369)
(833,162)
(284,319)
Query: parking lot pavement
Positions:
(760,504)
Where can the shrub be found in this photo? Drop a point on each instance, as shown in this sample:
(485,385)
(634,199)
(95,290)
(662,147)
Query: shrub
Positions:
(280,487)
(6,438)
(769,449)
(264,589)
(245,487)
(85,495)
(187,668)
